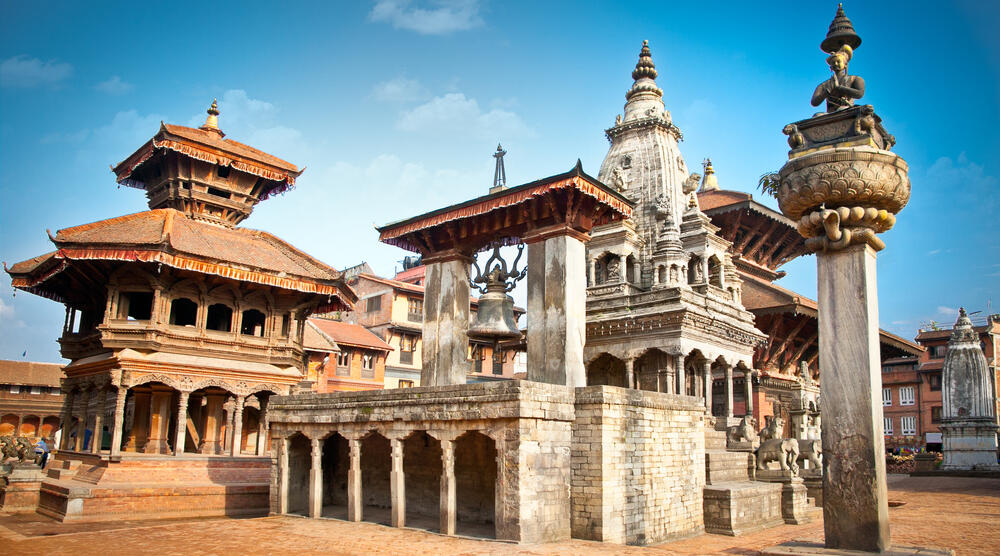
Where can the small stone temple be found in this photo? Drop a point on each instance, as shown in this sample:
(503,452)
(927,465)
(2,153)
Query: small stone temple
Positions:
(968,387)
(180,326)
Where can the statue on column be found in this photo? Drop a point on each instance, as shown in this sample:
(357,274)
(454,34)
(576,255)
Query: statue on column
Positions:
(840,90)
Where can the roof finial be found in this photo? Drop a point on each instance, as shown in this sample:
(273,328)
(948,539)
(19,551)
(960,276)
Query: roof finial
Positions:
(212,121)
(709,182)
(841,32)
(644,74)
(499,175)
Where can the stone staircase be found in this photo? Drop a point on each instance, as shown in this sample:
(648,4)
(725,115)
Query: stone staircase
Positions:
(63,469)
(734,503)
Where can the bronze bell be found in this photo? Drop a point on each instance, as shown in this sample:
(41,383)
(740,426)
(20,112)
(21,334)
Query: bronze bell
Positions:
(495,317)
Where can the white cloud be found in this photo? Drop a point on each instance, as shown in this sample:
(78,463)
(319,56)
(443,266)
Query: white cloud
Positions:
(114,86)
(129,127)
(399,89)
(947,311)
(65,137)
(965,184)
(440,17)
(7,317)
(453,113)
(25,72)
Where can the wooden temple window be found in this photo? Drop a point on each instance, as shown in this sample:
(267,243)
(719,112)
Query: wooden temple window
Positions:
(373,304)
(218,193)
(222,171)
(286,324)
(368,365)
(498,362)
(253,323)
(407,345)
(183,312)
(220,317)
(414,309)
(343,363)
(135,305)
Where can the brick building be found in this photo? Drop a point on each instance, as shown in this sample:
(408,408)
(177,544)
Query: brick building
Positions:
(935,342)
(901,396)
(393,309)
(30,399)
(344,356)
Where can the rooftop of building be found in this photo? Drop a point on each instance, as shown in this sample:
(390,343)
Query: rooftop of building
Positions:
(415,289)
(345,334)
(982,325)
(30,373)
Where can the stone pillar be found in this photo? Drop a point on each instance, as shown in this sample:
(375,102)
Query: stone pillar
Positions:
(623,266)
(707,373)
(315,479)
(140,421)
(448,502)
(119,425)
(180,434)
(66,420)
(729,390)
(592,271)
(159,421)
(659,380)
(81,426)
(748,391)
(262,427)
(397,484)
(237,445)
(211,443)
(283,445)
(681,379)
(446,320)
(354,501)
(556,308)
(97,438)
(630,372)
(855,502)
(637,273)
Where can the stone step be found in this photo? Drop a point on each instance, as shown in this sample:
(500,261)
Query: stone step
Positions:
(725,467)
(715,440)
(56,473)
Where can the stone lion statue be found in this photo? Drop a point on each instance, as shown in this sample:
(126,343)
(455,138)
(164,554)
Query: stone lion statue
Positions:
(746,431)
(773,447)
(811,451)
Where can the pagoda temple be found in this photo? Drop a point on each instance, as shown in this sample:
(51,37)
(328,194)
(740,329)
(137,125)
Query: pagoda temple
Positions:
(179,327)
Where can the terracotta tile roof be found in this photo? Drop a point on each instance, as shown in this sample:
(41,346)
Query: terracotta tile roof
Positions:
(315,339)
(411,275)
(168,237)
(212,139)
(29,373)
(932,365)
(347,334)
(413,288)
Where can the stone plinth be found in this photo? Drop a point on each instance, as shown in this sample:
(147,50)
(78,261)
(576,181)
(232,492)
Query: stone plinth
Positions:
(742,507)
(795,508)
(855,502)
(19,488)
(969,445)
(815,549)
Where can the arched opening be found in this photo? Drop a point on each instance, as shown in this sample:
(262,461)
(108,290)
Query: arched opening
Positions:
(648,367)
(606,370)
(694,374)
(49,427)
(253,323)
(696,273)
(220,317)
(718,388)
(183,312)
(8,423)
(299,465)
(630,274)
(336,463)
(475,485)
(376,463)
(611,269)
(150,419)
(204,431)
(422,471)
(251,424)
(715,271)
(135,305)
(30,425)
(740,377)
(661,274)
(674,274)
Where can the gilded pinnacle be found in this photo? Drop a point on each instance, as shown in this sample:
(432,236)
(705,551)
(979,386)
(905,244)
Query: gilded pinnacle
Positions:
(644,67)
(212,121)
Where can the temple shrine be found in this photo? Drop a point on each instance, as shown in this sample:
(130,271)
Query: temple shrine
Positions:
(180,326)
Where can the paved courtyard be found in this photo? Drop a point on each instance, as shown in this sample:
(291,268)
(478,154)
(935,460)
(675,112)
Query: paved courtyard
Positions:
(959,513)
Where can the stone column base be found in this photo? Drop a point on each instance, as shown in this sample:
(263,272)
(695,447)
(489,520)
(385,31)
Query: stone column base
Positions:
(814,549)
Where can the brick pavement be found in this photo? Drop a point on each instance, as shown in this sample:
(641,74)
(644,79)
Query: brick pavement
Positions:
(959,513)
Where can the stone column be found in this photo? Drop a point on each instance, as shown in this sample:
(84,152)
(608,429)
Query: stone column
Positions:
(159,421)
(237,445)
(592,271)
(748,391)
(729,390)
(97,438)
(262,427)
(637,273)
(397,484)
(180,434)
(630,372)
(81,426)
(119,424)
(283,445)
(707,373)
(354,501)
(66,420)
(556,308)
(211,443)
(855,502)
(623,266)
(681,379)
(140,421)
(446,320)
(659,380)
(316,479)
(448,502)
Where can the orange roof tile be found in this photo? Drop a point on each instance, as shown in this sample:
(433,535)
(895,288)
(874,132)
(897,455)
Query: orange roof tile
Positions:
(29,373)
(348,334)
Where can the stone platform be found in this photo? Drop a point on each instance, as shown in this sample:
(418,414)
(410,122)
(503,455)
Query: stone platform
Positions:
(89,487)
(816,549)
(20,484)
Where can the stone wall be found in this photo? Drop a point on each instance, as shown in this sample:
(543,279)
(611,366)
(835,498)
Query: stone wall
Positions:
(638,466)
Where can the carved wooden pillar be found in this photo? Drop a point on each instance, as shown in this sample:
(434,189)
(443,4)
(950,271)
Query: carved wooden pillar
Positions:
(448,501)
(159,420)
(237,441)
(180,434)
(102,406)
(211,443)
(66,420)
(119,424)
(81,426)
(140,420)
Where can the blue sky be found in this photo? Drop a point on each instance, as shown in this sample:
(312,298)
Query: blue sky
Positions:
(395,108)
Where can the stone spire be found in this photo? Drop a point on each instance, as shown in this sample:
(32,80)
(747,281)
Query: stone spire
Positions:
(212,121)
(709,182)
(644,75)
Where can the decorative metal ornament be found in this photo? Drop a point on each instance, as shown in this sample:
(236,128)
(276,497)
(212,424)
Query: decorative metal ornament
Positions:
(495,317)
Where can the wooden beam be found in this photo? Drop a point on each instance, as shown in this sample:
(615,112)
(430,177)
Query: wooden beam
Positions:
(802,349)
(750,233)
(766,258)
(784,343)
(763,239)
